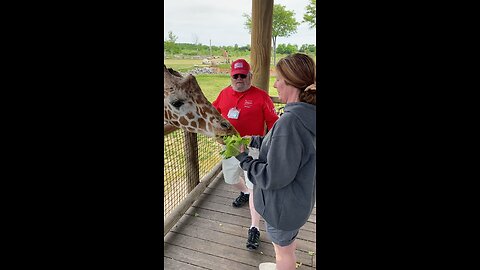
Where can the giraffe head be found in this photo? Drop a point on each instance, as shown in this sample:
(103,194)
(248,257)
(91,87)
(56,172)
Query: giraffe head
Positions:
(186,107)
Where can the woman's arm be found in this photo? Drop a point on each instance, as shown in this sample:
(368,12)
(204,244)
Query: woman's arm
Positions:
(282,161)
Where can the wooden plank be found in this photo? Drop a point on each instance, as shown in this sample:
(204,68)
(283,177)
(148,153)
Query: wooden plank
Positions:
(237,258)
(217,199)
(221,189)
(201,259)
(242,212)
(172,264)
(234,229)
(234,241)
(225,196)
(238,220)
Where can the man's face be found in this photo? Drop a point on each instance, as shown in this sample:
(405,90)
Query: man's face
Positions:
(241,82)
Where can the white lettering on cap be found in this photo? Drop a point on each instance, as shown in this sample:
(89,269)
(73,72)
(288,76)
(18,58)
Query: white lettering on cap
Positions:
(238,65)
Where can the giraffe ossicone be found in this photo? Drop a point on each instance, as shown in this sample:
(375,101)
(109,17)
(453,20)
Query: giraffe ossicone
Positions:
(186,107)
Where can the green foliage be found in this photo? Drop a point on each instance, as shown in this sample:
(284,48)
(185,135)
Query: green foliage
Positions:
(199,49)
(232,145)
(308,49)
(171,37)
(170,44)
(287,49)
(284,23)
(310,16)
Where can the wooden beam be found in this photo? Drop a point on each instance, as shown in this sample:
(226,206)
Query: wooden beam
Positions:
(167,129)
(191,160)
(261,42)
(275,99)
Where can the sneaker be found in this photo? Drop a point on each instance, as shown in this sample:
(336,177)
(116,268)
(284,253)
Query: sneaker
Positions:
(267,266)
(253,238)
(241,200)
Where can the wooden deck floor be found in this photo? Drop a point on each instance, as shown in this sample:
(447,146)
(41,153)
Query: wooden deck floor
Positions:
(212,235)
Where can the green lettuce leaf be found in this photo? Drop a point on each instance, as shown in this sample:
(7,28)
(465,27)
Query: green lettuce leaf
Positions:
(232,145)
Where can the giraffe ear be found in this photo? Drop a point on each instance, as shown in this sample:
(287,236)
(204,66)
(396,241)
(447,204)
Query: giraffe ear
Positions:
(170,74)
(171,71)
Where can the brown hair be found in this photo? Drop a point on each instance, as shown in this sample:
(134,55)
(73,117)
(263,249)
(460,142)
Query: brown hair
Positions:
(299,71)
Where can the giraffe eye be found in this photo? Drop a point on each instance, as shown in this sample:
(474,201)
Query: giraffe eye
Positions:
(177,103)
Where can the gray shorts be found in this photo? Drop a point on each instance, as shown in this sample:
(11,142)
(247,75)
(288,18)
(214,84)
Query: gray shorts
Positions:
(233,173)
(280,237)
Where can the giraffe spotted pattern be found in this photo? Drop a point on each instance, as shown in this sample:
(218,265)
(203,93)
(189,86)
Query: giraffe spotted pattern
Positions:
(186,107)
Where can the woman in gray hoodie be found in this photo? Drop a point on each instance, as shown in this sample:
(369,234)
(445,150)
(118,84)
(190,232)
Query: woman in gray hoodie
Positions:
(284,175)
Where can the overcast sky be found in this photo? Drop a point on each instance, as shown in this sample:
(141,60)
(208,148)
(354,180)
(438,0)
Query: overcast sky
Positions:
(221,21)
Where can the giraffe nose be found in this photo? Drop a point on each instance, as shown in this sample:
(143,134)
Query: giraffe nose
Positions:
(225,125)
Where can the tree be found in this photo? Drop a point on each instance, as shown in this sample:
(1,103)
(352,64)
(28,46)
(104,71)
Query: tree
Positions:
(195,41)
(170,43)
(310,16)
(283,25)
(287,48)
(308,48)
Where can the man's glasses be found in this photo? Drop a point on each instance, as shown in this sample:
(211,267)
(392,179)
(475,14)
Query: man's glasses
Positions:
(243,76)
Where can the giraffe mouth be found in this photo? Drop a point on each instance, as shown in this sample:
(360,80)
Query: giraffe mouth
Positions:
(219,139)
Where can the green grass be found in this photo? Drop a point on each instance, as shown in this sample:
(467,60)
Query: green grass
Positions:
(212,84)
(182,65)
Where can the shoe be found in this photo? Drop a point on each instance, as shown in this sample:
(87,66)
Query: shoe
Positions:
(241,200)
(267,266)
(253,238)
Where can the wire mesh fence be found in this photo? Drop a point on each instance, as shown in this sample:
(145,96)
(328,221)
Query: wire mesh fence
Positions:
(187,158)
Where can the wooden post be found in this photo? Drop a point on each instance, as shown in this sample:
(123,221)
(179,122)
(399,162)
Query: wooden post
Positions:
(191,159)
(261,42)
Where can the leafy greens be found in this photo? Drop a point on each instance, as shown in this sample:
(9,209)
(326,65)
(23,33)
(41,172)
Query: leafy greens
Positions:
(232,145)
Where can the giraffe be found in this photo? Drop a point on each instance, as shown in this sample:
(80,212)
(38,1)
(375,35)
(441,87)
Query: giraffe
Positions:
(185,107)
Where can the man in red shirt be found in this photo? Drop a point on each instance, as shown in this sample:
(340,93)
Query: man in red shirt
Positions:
(248,109)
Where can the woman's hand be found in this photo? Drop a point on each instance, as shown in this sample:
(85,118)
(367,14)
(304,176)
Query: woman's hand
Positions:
(242,147)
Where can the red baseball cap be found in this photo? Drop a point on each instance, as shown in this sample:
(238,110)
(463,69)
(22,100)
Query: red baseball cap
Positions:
(239,66)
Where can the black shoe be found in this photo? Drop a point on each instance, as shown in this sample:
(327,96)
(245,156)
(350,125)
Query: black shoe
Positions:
(253,238)
(241,200)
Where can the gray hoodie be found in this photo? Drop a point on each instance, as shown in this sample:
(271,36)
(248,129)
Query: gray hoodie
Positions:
(284,175)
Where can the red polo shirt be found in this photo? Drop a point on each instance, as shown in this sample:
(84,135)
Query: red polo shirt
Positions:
(254,105)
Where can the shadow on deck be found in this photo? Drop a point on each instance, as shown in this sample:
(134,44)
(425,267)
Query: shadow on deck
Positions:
(212,235)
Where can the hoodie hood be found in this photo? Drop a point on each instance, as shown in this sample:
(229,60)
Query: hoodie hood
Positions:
(306,114)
